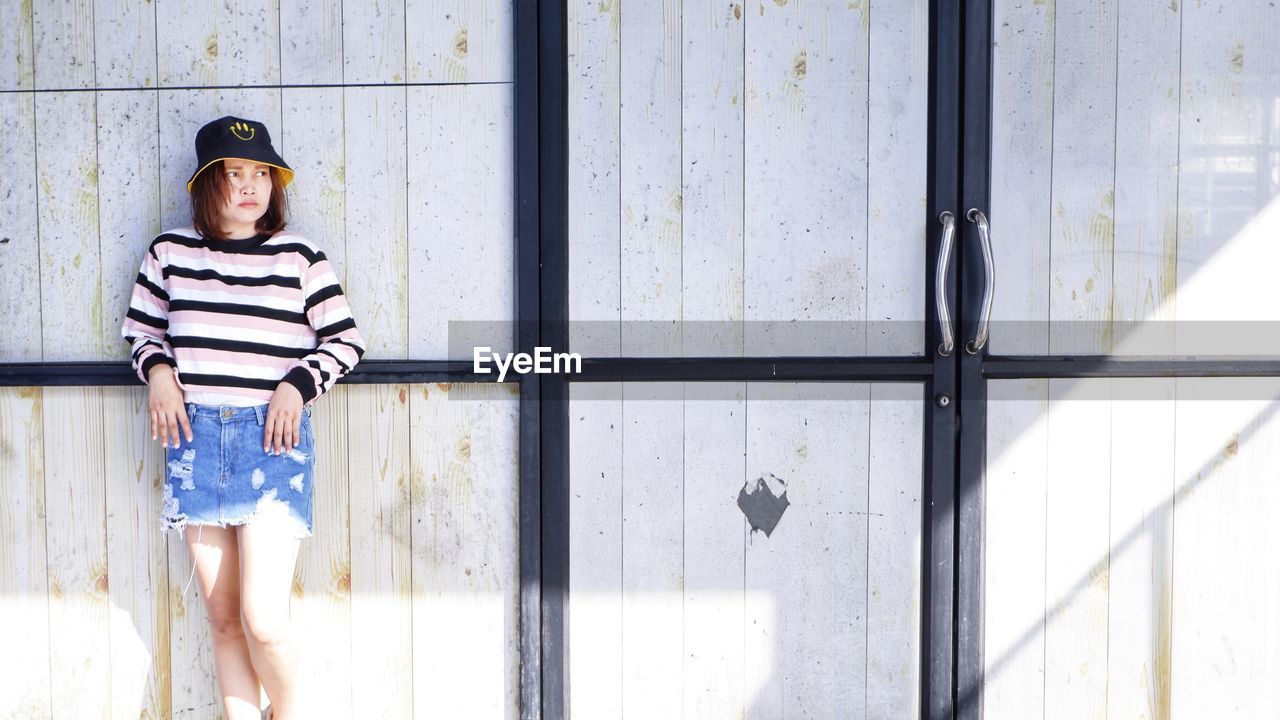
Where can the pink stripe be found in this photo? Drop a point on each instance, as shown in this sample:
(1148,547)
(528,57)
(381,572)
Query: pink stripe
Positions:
(248,292)
(230,261)
(205,317)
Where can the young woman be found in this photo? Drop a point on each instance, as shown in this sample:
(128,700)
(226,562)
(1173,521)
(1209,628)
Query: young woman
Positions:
(237,326)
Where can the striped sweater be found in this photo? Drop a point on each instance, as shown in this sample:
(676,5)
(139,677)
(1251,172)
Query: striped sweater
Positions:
(234,318)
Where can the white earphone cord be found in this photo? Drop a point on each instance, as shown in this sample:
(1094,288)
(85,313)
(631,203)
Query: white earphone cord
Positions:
(193,563)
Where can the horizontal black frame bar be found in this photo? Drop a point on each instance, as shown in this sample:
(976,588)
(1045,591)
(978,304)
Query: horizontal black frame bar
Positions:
(1007,367)
(695,369)
(593,370)
(368,372)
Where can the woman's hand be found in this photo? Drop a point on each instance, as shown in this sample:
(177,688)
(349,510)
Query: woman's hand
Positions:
(168,406)
(284,419)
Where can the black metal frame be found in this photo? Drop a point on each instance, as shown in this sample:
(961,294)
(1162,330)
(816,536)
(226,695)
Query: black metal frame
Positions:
(937,373)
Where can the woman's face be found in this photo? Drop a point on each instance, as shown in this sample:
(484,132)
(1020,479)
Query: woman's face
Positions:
(248,195)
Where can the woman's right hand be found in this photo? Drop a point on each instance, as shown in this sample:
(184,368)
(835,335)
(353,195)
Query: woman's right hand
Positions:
(168,406)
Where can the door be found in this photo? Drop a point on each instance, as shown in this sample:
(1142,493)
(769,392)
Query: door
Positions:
(1119,435)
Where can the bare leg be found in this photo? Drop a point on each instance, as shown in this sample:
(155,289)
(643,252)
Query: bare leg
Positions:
(215,552)
(268,553)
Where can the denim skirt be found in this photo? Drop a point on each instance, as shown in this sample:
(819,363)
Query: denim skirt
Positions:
(222,476)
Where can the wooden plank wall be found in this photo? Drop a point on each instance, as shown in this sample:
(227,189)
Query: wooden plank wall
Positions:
(397,119)
(406,598)
(1133,177)
(678,609)
(745,179)
(1126,527)
(1132,186)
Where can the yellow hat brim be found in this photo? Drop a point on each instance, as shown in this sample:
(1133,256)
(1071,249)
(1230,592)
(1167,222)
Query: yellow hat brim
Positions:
(288,174)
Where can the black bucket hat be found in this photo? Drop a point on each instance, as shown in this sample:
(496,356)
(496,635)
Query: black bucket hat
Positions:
(232,137)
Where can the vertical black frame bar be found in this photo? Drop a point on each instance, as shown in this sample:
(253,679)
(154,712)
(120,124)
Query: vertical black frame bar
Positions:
(937,628)
(541,199)
(550,392)
(937,556)
(971,467)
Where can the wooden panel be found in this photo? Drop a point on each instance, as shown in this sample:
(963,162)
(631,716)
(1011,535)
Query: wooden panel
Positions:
(806,631)
(24,583)
(465,529)
(1078,484)
(79,604)
(375,175)
(714,540)
(63,44)
(1153,128)
(594,630)
(466,129)
(124,45)
(1015,524)
(1227,192)
(373,41)
(460,41)
(312,143)
(805,194)
(652,533)
(650,272)
(772,626)
(1082,189)
(215,44)
(1184,486)
(896,420)
(897,177)
(594,181)
(182,114)
(381,604)
(194,689)
(19,245)
(67,180)
(1225,584)
(1146,212)
(17,63)
(1022,108)
(1139,648)
(310,43)
(712,160)
(322,593)
(128,211)
(133,466)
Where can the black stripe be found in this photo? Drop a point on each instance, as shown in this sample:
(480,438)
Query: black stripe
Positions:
(145,319)
(324,374)
(319,296)
(189,378)
(335,328)
(238,309)
(291,283)
(250,348)
(345,368)
(155,289)
(143,346)
(270,247)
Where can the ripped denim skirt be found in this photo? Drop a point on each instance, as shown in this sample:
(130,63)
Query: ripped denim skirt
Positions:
(222,476)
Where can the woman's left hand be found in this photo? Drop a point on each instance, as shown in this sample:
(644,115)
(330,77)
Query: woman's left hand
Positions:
(284,420)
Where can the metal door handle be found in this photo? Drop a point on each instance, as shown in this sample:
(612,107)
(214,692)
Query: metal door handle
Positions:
(988,291)
(944,259)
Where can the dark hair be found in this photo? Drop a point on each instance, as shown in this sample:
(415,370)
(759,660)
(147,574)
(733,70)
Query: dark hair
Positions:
(209,192)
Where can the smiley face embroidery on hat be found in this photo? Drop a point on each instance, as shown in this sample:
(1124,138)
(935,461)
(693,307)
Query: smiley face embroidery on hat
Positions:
(238,129)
